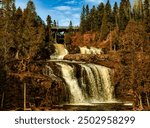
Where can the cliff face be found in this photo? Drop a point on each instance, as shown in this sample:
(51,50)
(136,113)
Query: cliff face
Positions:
(43,89)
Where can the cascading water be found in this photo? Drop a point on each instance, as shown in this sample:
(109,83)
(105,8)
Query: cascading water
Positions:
(91,82)
(71,81)
(92,87)
(90,50)
(60,52)
(87,83)
(106,80)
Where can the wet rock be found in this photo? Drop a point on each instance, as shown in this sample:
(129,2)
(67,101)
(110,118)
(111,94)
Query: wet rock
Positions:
(72,49)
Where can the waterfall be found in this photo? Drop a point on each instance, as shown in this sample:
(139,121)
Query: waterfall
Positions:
(85,83)
(60,52)
(71,81)
(92,85)
(106,80)
(99,82)
(90,50)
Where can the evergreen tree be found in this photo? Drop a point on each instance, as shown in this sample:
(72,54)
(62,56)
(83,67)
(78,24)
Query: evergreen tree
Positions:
(100,13)
(40,36)
(54,23)
(124,14)
(70,27)
(93,19)
(67,36)
(8,4)
(115,15)
(83,20)
(13,9)
(134,13)
(6,29)
(30,31)
(128,9)
(6,41)
(106,22)
(87,18)
(48,30)
(87,11)
(147,15)
(18,41)
(138,10)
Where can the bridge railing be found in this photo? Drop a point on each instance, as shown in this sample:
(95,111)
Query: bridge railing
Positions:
(64,27)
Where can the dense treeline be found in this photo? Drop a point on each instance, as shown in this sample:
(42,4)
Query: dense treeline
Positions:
(23,37)
(105,18)
(129,29)
(126,28)
(23,32)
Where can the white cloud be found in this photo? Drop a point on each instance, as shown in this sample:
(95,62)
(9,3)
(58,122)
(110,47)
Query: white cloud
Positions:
(94,1)
(76,9)
(63,8)
(71,2)
(76,16)
(68,12)
(63,14)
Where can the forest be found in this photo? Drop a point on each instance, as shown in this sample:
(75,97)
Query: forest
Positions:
(26,41)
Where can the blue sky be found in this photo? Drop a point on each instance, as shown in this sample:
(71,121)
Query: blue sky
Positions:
(61,10)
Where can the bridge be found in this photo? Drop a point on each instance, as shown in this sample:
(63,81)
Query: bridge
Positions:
(64,28)
(59,32)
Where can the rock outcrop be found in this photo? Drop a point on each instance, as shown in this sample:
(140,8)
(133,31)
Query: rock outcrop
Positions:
(106,60)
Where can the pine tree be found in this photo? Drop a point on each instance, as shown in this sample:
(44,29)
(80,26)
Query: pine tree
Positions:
(128,9)
(135,10)
(87,18)
(100,13)
(70,27)
(83,20)
(13,9)
(93,19)
(87,11)
(115,15)
(147,15)
(18,41)
(54,23)
(106,22)
(138,10)
(49,38)
(40,36)
(124,14)
(30,31)
(6,30)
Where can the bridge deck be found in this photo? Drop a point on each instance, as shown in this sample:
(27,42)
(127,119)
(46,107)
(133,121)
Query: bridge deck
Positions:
(64,28)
